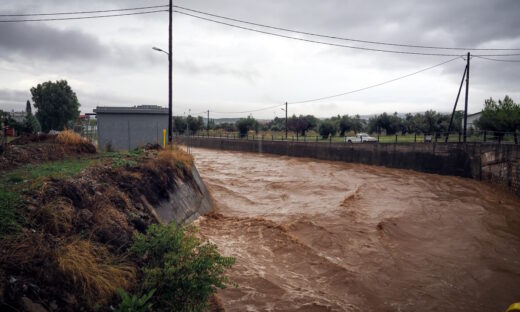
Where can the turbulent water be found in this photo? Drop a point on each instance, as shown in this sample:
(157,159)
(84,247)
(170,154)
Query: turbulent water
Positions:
(313,235)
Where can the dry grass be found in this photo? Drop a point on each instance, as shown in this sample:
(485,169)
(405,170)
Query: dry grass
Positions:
(70,137)
(57,216)
(176,158)
(93,271)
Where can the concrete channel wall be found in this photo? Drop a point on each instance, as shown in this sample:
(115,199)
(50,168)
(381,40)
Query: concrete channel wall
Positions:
(498,164)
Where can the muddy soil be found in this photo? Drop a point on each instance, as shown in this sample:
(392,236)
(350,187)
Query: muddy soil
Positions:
(328,236)
(39,148)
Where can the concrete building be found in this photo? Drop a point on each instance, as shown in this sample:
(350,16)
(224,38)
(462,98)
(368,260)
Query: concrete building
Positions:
(471,121)
(125,128)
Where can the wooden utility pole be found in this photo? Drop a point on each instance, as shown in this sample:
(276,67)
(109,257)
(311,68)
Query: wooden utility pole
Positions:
(286,121)
(455,106)
(466,100)
(208,123)
(170,136)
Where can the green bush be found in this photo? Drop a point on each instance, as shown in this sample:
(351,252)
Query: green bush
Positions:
(132,303)
(184,270)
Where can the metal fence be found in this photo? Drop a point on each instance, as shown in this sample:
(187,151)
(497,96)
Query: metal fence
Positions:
(494,137)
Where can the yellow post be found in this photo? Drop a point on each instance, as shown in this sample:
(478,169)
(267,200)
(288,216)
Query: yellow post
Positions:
(164,138)
(514,307)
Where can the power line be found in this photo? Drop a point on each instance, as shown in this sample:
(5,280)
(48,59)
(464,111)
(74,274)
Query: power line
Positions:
(249,111)
(346,39)
(79,18)
(375,85)
(333,44)
(83,12)
(496,60)
(315,41)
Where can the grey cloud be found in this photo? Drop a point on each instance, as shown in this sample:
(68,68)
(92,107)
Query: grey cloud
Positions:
(13,99)
(216,69)
(44,42)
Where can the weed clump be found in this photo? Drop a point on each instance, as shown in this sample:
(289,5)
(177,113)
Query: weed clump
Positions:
(177,159)
(70,137)
(93,271)
(183,270)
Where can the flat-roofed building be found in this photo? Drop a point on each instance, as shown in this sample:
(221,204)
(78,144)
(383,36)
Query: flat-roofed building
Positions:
(126,128)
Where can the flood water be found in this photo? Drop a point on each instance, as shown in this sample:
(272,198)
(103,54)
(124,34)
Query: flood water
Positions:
(313,235)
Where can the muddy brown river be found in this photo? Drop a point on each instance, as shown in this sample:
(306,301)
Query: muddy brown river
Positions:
(312,235)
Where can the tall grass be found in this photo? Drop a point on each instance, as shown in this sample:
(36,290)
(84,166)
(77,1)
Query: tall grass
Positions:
(70,137)
(93,270)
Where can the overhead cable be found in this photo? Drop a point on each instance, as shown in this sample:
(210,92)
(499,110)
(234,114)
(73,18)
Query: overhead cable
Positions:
(343,38)
(249,111)
(375,85)
(330,43)
(80,17)
(83,12)
(497,60)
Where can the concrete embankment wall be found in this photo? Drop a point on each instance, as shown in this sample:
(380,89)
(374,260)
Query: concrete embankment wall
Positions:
(188,200)
(498,164)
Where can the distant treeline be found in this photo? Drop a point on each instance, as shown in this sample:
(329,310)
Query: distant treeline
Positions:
(503,116)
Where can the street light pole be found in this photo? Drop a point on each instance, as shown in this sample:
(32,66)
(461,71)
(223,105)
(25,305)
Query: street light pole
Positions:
(170,76)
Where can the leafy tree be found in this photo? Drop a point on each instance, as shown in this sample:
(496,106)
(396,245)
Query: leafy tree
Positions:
(503,116)
(226,126)
(246,124)
(328,127)
(179,124)
(195,123)
(57,104)
(347,123)
(391,124)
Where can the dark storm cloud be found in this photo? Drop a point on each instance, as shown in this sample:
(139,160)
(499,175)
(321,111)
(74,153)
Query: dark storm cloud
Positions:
(40,41)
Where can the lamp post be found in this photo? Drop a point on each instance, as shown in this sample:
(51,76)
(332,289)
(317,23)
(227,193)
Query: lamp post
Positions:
(169,95)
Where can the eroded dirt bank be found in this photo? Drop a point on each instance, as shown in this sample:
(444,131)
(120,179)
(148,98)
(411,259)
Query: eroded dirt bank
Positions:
(328,236)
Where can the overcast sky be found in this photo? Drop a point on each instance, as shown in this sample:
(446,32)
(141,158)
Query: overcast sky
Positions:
(109,62)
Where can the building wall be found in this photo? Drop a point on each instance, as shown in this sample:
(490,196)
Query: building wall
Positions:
(128,131)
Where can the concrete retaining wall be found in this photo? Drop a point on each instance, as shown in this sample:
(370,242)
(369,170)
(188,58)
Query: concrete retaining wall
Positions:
(188,200)
(497,164)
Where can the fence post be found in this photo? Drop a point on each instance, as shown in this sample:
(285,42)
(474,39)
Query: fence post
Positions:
(460,136)
(330,138)
(378,138)
(272,137)
(485,133)
(396,138)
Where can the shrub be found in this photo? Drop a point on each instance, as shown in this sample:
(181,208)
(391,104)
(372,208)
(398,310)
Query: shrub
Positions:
(70,137)
(132,303)
(184,270)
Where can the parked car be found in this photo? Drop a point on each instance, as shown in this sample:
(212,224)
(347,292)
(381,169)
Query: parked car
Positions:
(360,138)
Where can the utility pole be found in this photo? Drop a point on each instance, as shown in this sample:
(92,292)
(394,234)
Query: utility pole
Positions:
(208,122)
(466,102)
(286,121)
(170,76)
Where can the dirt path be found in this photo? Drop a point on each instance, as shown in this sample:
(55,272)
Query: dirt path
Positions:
(323,236)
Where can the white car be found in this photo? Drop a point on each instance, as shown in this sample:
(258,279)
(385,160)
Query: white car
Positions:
(360,138)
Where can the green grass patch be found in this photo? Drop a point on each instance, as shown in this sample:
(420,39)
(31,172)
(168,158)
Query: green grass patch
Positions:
(31,176)
(124,159)
(10,218)
(15,182)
